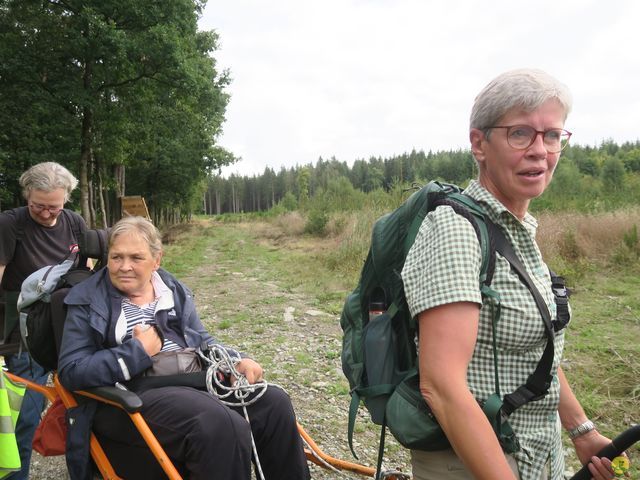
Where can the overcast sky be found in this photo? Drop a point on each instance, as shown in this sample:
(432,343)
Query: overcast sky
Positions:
(352,79)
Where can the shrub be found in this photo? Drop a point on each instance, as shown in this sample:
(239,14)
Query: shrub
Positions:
(291,224)
(630,239)
(317,221)
(629,251)
(288,202)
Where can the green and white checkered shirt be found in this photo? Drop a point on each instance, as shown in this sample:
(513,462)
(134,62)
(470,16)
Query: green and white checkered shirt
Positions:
(443,266)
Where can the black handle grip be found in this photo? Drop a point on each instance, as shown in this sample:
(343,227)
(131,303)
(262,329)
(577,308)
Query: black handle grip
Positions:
(615,448)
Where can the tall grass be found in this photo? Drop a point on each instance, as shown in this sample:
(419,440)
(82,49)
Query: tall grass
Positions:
(571,243)
(575,243)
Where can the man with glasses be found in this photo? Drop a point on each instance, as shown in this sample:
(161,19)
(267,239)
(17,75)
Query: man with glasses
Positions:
(31,237)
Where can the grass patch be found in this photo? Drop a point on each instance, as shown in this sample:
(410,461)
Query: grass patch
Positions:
(304,358)
(602,353)
(339,389)
(184,250)
(225,324)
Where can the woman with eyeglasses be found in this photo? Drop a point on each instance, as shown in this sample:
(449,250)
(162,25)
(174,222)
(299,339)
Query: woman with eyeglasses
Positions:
(31,237)
(517,131)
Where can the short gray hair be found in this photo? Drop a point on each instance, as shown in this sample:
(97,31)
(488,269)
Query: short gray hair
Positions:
(48,176)
(526,89)
(139,226)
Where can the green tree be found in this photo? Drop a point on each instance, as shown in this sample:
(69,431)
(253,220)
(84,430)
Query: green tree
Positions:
(631,160)
(303,186)
(112,85)
(613,174)
(289,202)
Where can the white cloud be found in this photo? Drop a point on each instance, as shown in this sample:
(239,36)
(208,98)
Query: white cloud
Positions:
(355,78)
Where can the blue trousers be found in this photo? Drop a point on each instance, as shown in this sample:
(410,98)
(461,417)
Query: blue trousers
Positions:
(30,412)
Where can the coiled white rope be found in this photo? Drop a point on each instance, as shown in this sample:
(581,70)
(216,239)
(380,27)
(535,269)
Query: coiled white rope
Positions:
(222,367)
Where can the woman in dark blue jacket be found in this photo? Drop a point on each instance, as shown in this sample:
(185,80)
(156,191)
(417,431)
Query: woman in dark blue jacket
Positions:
(127,313)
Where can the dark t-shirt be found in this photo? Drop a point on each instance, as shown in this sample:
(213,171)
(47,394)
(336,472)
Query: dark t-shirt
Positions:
(38,247)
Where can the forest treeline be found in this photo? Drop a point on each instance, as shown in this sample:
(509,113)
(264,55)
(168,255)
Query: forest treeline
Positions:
(128,96)
(587,179)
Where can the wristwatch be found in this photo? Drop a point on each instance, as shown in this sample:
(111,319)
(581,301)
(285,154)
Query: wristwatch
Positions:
(581,429)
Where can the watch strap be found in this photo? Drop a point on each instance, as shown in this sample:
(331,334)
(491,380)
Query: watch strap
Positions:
(581,429)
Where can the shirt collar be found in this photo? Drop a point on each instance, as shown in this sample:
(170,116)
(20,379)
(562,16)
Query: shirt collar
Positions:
(496,210)
(163,293)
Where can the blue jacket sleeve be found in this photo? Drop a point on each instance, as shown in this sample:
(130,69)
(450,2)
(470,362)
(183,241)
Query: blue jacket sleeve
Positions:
(86,362)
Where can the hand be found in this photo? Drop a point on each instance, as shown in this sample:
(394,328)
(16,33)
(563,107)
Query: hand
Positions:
(587,446)
(250,369)
(148,337)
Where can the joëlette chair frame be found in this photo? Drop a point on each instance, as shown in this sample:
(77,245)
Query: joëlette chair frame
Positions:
(131,404)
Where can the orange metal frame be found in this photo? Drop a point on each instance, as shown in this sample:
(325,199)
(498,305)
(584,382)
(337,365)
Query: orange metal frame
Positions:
(313,452)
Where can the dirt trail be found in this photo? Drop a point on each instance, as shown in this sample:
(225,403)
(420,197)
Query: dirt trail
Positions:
(247,301)
(296,340)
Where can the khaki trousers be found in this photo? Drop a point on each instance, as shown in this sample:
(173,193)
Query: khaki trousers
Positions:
(445,465)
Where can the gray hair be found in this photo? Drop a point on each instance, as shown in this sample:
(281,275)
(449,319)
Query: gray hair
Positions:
(526,89)
(48,176)
(139,226)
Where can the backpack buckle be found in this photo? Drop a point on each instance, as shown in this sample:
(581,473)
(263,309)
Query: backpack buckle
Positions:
(561,296)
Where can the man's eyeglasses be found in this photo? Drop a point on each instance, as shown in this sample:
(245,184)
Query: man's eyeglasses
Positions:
(38,207)
(522,137)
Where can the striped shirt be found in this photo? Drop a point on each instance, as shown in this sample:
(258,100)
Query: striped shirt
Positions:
(144,315)
(443,266)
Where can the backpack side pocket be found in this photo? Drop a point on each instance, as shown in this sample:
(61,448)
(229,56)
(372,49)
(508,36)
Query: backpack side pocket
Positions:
(410,419)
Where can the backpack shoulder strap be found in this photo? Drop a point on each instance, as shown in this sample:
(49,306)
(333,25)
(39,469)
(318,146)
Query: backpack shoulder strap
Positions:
(74,221)
(77,229)
(468,208)
(21,220)
(539,381)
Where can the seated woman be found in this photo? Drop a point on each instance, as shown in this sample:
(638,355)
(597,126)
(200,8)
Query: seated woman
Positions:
(107,339)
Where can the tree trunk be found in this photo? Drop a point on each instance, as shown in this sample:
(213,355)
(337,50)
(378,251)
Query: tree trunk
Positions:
(85,146)
(100,193)
(92,194)
(85,159)
(119,177)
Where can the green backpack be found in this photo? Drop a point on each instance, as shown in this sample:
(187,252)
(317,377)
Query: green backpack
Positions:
(379,350)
